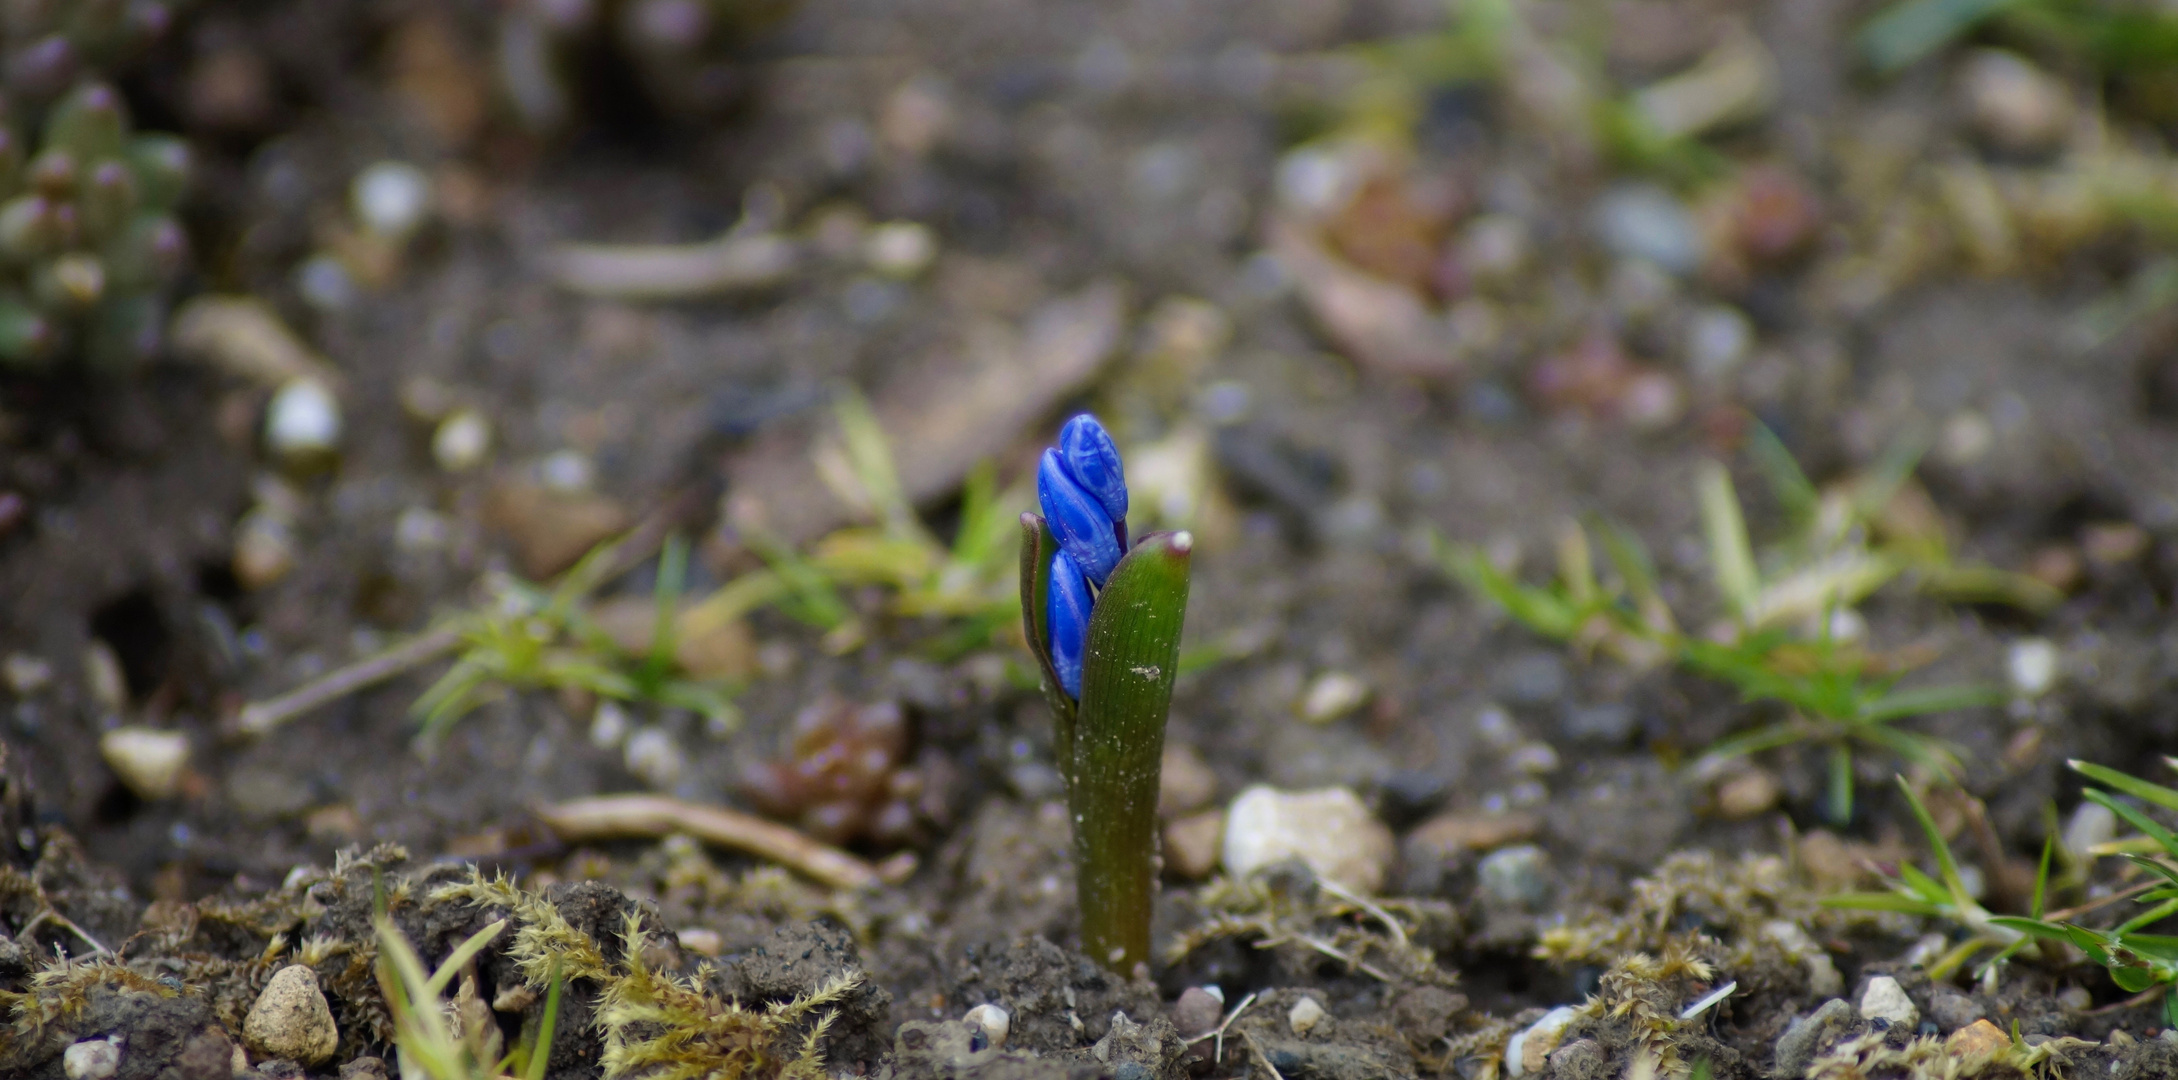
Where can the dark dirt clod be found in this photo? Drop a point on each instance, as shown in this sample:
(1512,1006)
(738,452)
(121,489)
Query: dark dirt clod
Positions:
(1060,1000)
(794,962)
(1581,1059)
(942,1050)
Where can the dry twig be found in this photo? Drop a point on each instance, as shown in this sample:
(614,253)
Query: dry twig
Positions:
(617,817)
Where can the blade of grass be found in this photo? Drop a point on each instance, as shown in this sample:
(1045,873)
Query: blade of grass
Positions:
(1731,555)
(2130,785)
(1946,866)
(1794,492)
(540,1052)
(1841,785)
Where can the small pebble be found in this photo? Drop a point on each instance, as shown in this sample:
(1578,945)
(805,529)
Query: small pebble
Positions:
(1495,249)
(92,1059)
(149,761)
(1953,1011)
(1885,1000)
(2113,543)
(264,549)
(102,676)
(1304,1016)
(2091,825)
(1454,835)
(1330,829)
(1192,843)
(900,249)
(609,725)
(1184,781)
(1748,793)
(1718,339)
(1978,1038)
(291,1020)
(702,942)
(2075,998)
(2012,103)
(2031,665)
(462,441)
(567,471)
(1529,1051)
(25,674)
(994,1022)
(1333,694)
(1642,221)
(325,283)
(391,198)
(420,529)
(1515,876)
(1197,1012)
(302,425)
(655,757)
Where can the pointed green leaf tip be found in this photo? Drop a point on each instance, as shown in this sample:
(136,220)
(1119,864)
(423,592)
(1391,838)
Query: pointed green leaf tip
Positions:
(1132,658)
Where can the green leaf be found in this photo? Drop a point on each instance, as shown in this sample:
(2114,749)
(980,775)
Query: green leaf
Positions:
(2135,818)
(2130,785)
(1794,492)
(1129,662)
(1841,785)
(2041,876)
(1731,555)
(1921,701)
(2041,928)
(1884,901)
(1946,866)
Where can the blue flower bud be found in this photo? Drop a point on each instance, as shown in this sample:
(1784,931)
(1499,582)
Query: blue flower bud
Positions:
(1078,522)
(1067,616)
(1093,462)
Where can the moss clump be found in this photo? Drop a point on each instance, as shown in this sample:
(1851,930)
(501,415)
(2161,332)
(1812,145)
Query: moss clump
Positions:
(1309,921)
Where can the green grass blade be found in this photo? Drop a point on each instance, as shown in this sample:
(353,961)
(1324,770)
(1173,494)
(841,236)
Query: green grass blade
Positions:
(540,1052)
(1841,785)
(1883,901)
(2041,876)
(2130,785)
(1794,492)
(1753,742)
(1946,866)
(1731,554)
(2149,917)
(1911,29)
(665,597)
(1923,700)
(2132,815)
(461,956)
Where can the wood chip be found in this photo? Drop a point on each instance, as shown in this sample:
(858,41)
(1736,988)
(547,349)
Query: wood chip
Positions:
(649,817)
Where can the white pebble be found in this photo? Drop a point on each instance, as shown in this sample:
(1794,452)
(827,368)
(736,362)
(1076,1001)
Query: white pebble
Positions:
(2092,824)
(264,548)
(900,249)
(148,760)
(1329,829)
(325,283)
(1529,1051)
(608,725)
(462,441)
(102,676)
(291,1020)
(2031,664)
(567,470)
(1333,694)
(1304,1016)
(994,1022)
(653,756)
(25,674)
(303,421)
(420,529)
(391,198)
(92,1059)
(1718,338)
(1884,999)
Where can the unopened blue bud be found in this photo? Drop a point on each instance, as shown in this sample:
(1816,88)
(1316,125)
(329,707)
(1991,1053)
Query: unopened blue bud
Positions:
(1093,461)
(1067,615)
(1078,522)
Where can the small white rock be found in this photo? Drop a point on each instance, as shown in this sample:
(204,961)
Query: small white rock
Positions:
(25,674)
(1529,1051)
(148,760)
(264,548)
(608,725)
(102,676)
(994,1022)
(1304,1016)
(461,441)
(900,249)
(291,1020)
(303,421)
(1884,999)
(1333,694)
(391,198)
(567,470)
(1329,829)
(421,529)
(2031,664)
(2091,824)
(653,755)
(92,1059)
(2013,103)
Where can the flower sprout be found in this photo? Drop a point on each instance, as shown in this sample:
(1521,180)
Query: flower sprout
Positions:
(1083,492)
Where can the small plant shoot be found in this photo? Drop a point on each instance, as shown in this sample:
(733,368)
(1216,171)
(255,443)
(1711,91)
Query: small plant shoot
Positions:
(1103,617)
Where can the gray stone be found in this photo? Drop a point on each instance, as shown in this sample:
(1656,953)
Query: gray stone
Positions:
(291,1019)
(1610,723)
(1516,876)
(1643,221)
(1952,1010)
(1807,1035)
